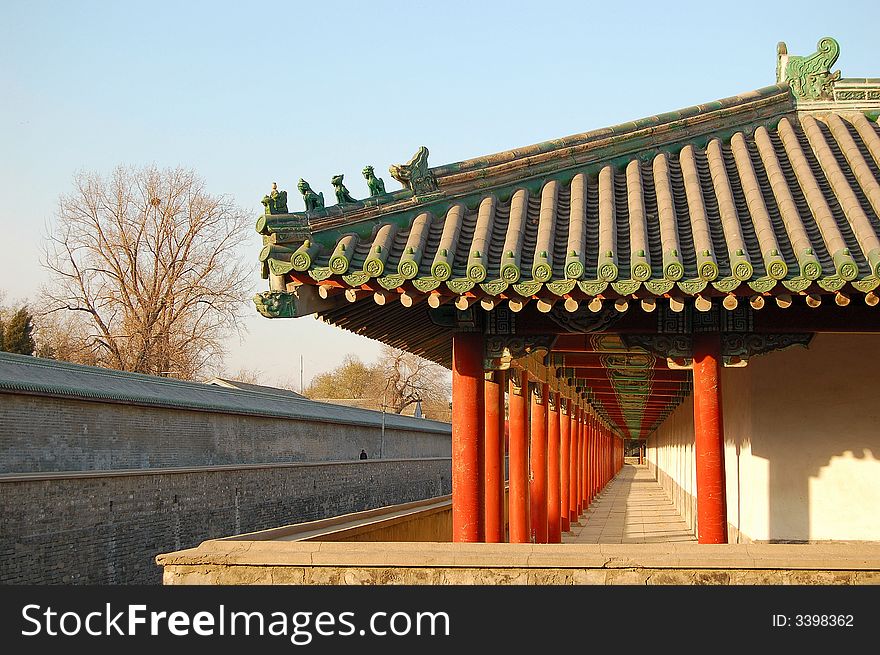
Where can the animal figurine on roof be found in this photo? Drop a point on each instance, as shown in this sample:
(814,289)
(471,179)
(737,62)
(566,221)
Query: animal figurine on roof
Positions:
(414,174)
(376,185)
(276,201)
(342,195)
(313,200)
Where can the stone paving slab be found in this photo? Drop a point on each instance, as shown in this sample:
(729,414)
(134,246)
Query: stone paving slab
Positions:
(632,509)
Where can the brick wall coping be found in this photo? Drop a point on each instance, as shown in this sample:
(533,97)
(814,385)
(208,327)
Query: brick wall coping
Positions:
(116,473)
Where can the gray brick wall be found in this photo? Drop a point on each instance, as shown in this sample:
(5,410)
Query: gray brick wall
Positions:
(107,528)
(45,433)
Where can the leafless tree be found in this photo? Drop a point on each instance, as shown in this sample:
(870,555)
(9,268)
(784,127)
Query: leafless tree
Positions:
(410,379)
(150,258)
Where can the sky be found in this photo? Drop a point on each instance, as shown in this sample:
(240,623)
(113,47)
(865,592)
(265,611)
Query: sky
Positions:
(246,94)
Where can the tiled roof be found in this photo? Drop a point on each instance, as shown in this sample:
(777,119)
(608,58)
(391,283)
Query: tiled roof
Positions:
(248,386)
(740,196)
(32,375)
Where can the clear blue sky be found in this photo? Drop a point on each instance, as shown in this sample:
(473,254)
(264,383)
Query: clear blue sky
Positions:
(251,93)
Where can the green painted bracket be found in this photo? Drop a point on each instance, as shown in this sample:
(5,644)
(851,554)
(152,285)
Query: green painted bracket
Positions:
(460,285)
(867,284)
(797,284)
(528,288)
(626,287)
(762,284)
(831,283)
(561,287)
(692,287)
(593,287)
(356,278)
(390,281)
(659,286)
(726,284)
(494,287)
(426,284)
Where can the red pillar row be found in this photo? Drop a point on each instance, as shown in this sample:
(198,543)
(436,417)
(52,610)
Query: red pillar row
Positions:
(467,437)
(565,458)
(554,482)
(538,459)
(518,512)
(709,441)
(574,476)
(494,387)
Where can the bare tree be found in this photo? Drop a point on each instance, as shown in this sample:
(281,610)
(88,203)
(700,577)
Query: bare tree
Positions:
(410,379)
(150,258)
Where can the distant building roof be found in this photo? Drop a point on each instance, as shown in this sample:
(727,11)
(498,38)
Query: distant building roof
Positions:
(248,386)
(414,410)
(48,377)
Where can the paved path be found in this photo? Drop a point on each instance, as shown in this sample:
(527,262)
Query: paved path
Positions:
(633,509)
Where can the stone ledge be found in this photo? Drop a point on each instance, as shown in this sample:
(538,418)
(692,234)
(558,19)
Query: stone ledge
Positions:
(502,559)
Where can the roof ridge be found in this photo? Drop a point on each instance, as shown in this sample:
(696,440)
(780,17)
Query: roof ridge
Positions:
(778,91)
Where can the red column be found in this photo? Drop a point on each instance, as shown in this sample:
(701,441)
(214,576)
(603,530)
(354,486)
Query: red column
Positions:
(585,431)
(467,437)
(579,425)
(709,441)
(591,455)
(591,461)
(572,462)
(518,447)
(564,463)
(494,394)
(554,519)
(538,455)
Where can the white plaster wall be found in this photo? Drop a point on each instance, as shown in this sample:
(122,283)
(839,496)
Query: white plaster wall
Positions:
(802,444)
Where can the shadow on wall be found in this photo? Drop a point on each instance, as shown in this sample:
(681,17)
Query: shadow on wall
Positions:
(816,421)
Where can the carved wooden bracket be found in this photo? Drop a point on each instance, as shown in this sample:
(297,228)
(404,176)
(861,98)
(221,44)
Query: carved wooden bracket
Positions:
(736,348)
(500,351)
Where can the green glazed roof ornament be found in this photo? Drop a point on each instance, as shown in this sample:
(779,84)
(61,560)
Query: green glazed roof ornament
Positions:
(343,197)
(276,304)
(313,200)
(414,174)
(276,201)
(810,77)
(376,185)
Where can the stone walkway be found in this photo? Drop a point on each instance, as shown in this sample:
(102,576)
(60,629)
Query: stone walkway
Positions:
(632,509)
